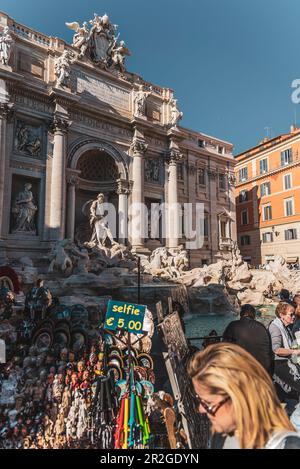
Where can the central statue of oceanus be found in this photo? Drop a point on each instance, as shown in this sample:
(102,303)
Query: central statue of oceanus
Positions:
(99,43)
(98,223)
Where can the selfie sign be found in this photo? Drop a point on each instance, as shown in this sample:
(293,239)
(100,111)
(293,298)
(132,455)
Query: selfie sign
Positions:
(124,316)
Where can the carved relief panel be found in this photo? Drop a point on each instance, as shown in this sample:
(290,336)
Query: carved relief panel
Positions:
(152,170)
(28,139)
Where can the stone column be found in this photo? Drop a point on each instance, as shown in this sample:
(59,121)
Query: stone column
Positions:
(5,114)
(72,181)
(232,205)
(173,214)
(214,219)
(139,149)
(123,192)
(57,212)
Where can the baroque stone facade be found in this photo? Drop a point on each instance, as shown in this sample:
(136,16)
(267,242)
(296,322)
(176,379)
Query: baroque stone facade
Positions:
(74,122)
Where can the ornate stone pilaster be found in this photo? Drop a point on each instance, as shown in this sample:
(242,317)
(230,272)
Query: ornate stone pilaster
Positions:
(57,213)
(138,148)
(72,181)
(123,191)
(192,169)
(211,174)
(6,113)
(213,222)
(173,157)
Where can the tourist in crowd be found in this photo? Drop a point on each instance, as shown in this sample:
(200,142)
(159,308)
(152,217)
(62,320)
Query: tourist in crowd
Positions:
(296,302)
(239,398)
(252,336)
(284,295)
(286,371)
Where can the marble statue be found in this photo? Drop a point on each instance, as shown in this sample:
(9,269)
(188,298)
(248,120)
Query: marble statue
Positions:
(181,259)
(24,210)
(100,43)
(98,223)
(166,264)
(140,101)
(80,257)
(6,46)
(102,37)
(60,259)
(81,37)
(176,115)
(118,55)
(63,68)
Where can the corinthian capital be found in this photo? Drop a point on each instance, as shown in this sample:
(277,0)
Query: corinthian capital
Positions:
(72,179)
(6,111)
(139,147)
(60,124)
(174,156)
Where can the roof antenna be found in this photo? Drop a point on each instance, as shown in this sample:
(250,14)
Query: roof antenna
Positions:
(268,132)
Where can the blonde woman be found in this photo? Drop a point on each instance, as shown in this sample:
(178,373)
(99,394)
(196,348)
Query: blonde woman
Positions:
(238,396)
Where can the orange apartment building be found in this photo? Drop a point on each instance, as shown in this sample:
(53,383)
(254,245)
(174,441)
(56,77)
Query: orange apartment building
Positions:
(268,200)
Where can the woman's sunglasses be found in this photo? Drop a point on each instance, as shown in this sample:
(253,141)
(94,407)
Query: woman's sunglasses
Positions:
(211,409)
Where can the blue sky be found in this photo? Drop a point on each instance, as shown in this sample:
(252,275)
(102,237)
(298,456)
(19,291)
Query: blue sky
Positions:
(230,62)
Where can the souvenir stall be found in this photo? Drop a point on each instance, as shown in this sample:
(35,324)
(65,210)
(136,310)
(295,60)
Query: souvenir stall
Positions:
(80,379)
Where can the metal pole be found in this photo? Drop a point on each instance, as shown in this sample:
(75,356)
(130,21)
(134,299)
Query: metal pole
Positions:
(139,279)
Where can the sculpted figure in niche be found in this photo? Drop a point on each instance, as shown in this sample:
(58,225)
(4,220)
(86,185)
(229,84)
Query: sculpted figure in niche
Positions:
(24,210)
(63,68)
(140,101)
(98,223)
(6,45)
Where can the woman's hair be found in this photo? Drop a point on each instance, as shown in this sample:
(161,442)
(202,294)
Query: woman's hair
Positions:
(282,308)
(228,370)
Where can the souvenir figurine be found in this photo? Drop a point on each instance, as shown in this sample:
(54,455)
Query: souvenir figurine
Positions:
(49,390)
(98,368)
(64,355)
(80,367)
(74,382)
(57,388)
(85,385)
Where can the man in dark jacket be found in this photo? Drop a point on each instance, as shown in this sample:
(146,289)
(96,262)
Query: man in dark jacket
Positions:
(252,336)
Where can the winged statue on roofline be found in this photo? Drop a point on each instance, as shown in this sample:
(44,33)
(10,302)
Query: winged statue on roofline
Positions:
(98,42)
